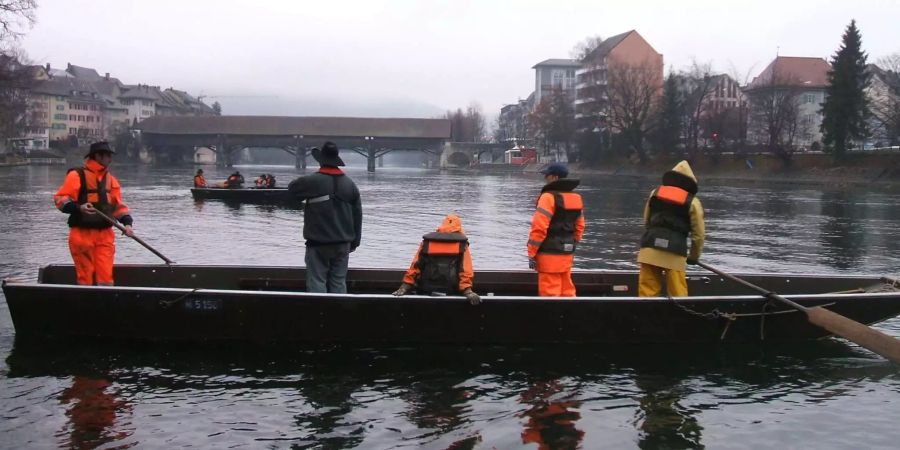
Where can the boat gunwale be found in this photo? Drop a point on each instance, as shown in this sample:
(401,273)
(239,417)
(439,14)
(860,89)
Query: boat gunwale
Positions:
(363,296)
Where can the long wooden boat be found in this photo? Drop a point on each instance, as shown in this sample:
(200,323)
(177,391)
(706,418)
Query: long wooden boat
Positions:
(212,303)
(247,195)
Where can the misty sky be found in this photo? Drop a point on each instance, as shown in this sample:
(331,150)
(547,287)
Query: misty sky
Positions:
(418,58)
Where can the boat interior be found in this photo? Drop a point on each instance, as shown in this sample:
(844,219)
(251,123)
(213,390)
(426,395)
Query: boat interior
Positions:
(598,283)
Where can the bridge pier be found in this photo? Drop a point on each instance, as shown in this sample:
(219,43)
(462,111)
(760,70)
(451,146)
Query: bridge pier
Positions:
(300,158)
(223,156)
(370,160)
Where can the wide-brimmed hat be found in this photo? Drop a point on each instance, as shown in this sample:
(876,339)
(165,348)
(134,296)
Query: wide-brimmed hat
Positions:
(99,147)
(328,155)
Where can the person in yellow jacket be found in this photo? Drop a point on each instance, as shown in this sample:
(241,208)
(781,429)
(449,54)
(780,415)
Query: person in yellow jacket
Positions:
(556,229)
(672,216)
(442,263)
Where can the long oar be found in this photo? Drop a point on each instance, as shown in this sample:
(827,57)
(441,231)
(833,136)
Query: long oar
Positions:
(849,329)
(118,225)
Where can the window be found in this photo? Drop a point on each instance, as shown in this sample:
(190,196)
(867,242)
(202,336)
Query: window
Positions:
(810,98)
(60,116)
(73,130)
(60,107)
(557,77)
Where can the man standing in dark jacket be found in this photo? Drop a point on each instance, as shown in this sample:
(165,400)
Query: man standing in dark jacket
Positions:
(332,221)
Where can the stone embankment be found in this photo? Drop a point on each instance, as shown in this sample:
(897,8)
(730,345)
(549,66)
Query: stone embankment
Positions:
(882,169)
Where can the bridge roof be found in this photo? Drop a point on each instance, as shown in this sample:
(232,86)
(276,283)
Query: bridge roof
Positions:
(305,126)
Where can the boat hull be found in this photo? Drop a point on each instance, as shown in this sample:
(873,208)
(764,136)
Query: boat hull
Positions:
(261,304)
(257,196)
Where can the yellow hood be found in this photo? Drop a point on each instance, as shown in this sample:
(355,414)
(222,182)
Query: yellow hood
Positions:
(685,169)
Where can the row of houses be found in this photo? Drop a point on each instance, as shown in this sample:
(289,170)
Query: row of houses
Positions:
(77,105)
(586,84)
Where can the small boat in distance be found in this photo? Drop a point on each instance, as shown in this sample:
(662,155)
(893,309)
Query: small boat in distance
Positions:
(268,304)
(268,196)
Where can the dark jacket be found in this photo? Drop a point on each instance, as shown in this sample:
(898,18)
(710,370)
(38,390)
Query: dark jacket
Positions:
(332,210)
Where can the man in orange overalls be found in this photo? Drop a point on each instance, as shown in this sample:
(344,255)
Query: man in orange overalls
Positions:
(92,240)
(556,228)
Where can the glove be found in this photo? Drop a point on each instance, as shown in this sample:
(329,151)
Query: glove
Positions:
(692,261)
(473,298)
(403,290)
(532,264)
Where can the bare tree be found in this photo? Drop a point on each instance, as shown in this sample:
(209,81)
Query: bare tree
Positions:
(583,48)
(553,122)
(16,79)
(775,110)
(699,84)
(468,125)
(885,104)
(15,15)
(633,94)
(743,105)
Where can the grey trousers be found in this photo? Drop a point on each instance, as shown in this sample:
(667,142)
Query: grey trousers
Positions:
(326,268)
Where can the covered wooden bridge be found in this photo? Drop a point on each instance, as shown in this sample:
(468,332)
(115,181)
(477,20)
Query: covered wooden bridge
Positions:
(370,137)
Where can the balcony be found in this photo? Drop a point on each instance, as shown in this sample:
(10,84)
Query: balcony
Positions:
(591,68)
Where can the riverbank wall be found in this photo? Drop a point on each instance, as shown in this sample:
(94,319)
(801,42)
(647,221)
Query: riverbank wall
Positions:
(808,168)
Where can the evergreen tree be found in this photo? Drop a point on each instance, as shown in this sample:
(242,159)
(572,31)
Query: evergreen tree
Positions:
(669,130)
(846,109)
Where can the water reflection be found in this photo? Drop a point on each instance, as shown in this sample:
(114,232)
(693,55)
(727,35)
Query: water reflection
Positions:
(663,422)
(551,416)
(437,397)
(96,414)
(841,232)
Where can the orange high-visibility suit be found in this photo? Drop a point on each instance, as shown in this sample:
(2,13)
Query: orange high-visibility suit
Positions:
(451,225)
(92,241)
(556,228)
(199,181)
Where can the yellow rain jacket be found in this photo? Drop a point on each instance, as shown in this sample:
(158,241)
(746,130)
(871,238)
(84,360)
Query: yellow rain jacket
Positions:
(669,260)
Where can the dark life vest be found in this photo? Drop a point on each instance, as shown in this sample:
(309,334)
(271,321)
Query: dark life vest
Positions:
(440,262)
(669,220)
(93,221)
(560,238)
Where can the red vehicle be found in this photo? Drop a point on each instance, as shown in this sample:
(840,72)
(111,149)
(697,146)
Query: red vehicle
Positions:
(521,155)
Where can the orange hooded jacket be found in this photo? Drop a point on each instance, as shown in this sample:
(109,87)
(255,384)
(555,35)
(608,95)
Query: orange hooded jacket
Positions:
(451,224)
(93,173)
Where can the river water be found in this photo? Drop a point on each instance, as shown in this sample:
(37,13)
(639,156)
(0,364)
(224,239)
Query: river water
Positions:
(827,394)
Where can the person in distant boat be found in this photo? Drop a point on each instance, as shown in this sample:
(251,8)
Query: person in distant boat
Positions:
(235,181)
(270,181)
(332,220)
(442,264)
(199,181)
(556,228)
(261,181)
(92,240)
(672,216)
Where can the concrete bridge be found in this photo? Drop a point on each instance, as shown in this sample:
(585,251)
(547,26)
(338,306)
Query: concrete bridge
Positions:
(370,137)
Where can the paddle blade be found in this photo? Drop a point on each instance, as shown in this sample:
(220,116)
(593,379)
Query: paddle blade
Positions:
(864,336)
